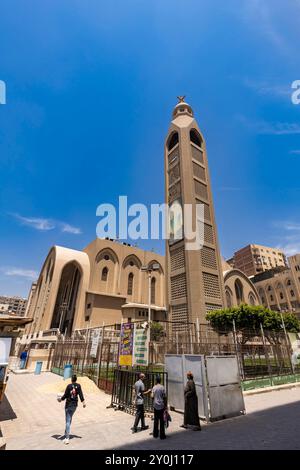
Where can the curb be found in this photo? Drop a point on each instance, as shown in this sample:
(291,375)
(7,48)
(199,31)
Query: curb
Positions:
(271,389)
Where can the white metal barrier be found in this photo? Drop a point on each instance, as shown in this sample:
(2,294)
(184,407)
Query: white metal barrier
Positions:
(217,381)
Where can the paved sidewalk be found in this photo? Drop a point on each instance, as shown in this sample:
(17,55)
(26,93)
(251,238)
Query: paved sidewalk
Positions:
(31,418)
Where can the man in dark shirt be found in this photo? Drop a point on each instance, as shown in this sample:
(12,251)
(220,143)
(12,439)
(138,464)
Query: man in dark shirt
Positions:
(23,358)
(71,394)
(159,404)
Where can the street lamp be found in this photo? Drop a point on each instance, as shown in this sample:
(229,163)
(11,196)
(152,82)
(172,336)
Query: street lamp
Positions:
(149,269)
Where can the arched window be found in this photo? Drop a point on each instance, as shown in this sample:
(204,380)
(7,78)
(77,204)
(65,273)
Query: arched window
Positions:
(228,299)
(292,293)
(104,274)
(130,284)
(262,296)
(239,291)
(173,140)
(281,295)
(153,282)
(288,282)
(195,138)
(251,299)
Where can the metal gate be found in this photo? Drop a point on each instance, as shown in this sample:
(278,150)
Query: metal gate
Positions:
(217,381)
(224,387)
(123,389)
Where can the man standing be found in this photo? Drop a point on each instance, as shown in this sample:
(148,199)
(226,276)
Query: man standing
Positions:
(71,394)
(159,404)
(139,388)
(23,358)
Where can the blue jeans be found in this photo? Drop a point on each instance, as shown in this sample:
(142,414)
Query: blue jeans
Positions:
(22,363)
(69,415)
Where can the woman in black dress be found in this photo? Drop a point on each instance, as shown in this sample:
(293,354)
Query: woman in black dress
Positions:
(191,416)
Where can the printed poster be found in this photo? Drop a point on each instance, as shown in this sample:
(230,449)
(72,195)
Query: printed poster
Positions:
(126,344)
(141,346)
(96,339)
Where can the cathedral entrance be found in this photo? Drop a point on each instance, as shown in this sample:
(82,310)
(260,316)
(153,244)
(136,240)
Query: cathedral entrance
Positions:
(65,306)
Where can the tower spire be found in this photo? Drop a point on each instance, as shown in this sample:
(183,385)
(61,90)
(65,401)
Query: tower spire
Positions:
(182,108)
(194,276)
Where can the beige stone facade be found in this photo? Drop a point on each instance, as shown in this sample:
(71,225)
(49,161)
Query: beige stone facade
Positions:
(254,259)
(279,289)
(194,278)
(103,284)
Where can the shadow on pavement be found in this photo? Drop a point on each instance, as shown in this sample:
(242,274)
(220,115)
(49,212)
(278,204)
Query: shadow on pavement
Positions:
(60,437)
(6,411)
(272,428)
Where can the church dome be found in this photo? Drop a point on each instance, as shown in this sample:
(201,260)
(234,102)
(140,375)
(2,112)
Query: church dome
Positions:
(182,108)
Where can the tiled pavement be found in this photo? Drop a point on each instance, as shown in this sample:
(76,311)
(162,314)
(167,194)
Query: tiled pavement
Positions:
(31,418)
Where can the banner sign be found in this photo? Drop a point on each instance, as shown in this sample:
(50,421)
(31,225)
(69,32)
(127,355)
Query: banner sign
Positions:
(96,336)
(126,344)
(141,346)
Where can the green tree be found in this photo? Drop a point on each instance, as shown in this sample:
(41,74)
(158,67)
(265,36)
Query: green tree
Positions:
(156,331)
(248,318)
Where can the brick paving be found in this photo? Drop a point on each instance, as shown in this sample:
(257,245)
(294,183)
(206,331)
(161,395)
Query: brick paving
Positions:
(31,418)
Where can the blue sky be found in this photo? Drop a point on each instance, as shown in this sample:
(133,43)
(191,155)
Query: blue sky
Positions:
(90,91)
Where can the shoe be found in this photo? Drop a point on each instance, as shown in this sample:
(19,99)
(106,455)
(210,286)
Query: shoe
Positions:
(183,426)
(66,441)
(134,430)
(144,428)
(163,437)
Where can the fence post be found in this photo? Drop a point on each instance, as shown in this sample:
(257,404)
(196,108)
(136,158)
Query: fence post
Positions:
(99,355)
(191,340)
(288,346)
(237,351)
(266,353)
(198,330)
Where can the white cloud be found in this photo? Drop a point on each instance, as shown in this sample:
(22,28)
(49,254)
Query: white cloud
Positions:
(287,225)
(271,128)
(267,20)
(291,237)
(267,89)
(70,229)
(43,224)
(290,249)
(37,223)
(20,272)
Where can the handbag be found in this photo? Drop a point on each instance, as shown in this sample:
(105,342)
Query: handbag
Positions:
(167,418)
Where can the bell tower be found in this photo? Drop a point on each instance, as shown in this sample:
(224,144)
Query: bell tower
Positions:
(194,277)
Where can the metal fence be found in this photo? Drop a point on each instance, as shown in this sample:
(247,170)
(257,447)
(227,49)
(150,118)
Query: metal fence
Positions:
(123,394)
(261,353)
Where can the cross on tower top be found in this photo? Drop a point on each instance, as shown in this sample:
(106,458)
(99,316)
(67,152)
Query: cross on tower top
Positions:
(181,99)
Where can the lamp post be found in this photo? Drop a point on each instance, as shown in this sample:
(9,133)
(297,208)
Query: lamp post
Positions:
(149,269)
